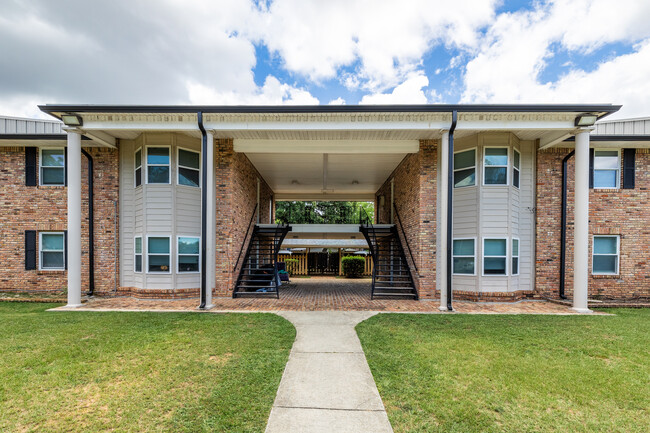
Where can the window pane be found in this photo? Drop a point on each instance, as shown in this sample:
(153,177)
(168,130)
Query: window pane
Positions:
(188,159)
(158,246)
(138,177)
(497,156)
(53,176)
(515,178)
(158,155)
(516,159)
(605,178)
(138,245)
(138,158)
(496,175)
(515,265)
(494,247)
(606,159)
(464,247)
(188,263)
(53,158)
(52,260)
(158,263)
(158,174)
(187,176)
(605,245)
(515,247)
(52,241)
(464,159)
(463,265)
(465,177)
(138,263)
(188,245)
(494,266)
(605,264)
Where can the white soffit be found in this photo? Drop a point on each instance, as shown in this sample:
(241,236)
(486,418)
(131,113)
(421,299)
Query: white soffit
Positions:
(326,146)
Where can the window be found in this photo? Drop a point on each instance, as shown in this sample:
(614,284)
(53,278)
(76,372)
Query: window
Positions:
(606,168)
(188,254)
(463,253)
(515,257)
(516,161)
(158,165)
(188,168)
(158,252)
(495,162)
(52,250)
(465,168)
(52,167)
(137,253)
(494,256)
(138,167)
(605,255)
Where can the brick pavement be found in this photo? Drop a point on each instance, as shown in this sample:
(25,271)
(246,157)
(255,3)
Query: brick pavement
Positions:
(321,294)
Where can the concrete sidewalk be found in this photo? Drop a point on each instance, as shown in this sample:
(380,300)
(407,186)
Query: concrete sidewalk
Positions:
(327,385)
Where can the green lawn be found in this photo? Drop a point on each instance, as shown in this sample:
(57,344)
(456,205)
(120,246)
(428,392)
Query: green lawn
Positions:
(76,371)
(483,373)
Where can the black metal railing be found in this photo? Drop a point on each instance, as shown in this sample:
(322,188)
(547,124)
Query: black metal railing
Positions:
(323,215)
(243,244)
(406,241)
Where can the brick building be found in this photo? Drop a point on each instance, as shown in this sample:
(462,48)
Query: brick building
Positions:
(183,198)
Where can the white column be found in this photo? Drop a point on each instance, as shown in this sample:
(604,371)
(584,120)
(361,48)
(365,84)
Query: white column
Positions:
(441,233)
(210,269)
(581,223)
(74,219)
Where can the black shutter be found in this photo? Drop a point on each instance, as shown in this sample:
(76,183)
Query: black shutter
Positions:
(65,248)
(628,168)
(30,250)
(591,168)
(30,166)
(65,167)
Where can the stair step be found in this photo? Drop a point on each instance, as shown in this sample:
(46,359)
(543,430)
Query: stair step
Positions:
(396,295)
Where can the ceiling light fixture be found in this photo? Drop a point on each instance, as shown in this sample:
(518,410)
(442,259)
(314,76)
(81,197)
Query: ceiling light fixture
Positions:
(587,119)
(72,120)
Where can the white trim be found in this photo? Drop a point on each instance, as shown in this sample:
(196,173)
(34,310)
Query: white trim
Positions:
(146,163)
(40,251)
(179,166)
(516,168)
(135,254)
(512,255)
(475,167)
(135,167)
(178,254)
(505,238)
(453,255)
(618,254)
(618,168)
(507,166)
(155,254)
(40,166)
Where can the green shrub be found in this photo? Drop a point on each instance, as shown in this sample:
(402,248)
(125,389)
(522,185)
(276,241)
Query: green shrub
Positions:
(291,265)
(353,266)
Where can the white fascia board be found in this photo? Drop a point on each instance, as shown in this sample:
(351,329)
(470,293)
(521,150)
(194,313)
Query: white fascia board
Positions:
(326,146)
(515,125)
(307,196)
(140,126)
(326,126)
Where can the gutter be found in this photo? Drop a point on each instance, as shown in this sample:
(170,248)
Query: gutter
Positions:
(91,225)
(204,209)
(450,203)
(563,222)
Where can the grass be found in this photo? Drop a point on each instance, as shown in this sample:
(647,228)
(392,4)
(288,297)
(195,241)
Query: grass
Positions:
(481,373)
(138,372)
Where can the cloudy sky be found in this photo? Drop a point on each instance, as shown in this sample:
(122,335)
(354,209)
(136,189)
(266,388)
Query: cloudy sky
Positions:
(324,52)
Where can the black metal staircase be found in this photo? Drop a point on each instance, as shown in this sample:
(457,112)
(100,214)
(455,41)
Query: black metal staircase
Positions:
(391,274)
(258,276)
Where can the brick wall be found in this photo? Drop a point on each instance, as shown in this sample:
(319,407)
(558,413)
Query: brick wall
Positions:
(44,208)
(623,212)
(236,185)
(415,200)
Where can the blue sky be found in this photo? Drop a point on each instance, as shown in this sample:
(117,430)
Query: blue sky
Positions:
(316,52)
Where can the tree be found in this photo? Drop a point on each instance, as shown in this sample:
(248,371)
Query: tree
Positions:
(323,212)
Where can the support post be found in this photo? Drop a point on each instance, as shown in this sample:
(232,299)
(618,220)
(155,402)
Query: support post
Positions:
(581,223)
(441,281)
(212,221)
(74,219)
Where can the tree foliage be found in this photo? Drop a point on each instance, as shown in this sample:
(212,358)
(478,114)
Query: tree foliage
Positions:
(323,212)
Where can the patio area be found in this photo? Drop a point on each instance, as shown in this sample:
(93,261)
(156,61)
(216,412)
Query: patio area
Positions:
(322,294)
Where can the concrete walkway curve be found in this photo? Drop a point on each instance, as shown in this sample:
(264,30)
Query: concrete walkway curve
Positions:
(327,385)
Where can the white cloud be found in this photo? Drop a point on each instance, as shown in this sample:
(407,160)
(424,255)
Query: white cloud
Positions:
(337,101)
(409,92)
